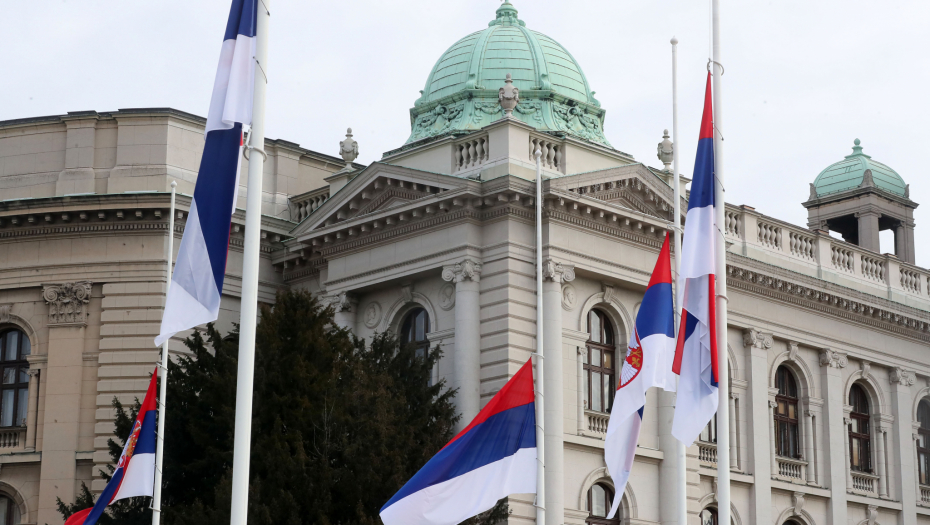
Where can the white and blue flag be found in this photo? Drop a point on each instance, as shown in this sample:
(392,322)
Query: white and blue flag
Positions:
(197,282)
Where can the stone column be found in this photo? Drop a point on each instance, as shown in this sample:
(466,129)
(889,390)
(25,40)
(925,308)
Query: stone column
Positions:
(759,456)
(582,422)
(847,421)
(773,452)
(734,458)
(836,476)
(467,357)
(868,231)
(904,462)
(880,452)
(345,306)
(900,242)
(31,410)
(809,454)
(554,274)
(67,320)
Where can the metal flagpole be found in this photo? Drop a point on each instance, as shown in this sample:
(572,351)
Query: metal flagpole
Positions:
(250,257)
(681,472)
(540,412)
(163,387)
(723,420)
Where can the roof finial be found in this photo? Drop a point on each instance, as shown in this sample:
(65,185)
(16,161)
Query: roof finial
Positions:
(508,96)
(506,15)
(666,150)
(348,149)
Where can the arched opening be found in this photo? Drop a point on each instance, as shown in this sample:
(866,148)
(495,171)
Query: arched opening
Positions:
(708,516)
(9,511)
(791,522)
(923,442)
(414,329)
(860,446)
(599,363)
(14,388)
(600,498)
(787,440)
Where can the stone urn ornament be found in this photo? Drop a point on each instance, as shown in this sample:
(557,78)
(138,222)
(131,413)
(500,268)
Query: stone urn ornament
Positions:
(666,151)
(348,149)
(509,97)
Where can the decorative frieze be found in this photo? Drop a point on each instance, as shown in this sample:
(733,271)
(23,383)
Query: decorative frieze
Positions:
(757,339)
(833,358)
(901,376)
(67,303)
(467,270)
(557,272)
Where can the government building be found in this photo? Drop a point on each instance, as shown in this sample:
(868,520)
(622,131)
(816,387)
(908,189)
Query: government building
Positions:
(828,343)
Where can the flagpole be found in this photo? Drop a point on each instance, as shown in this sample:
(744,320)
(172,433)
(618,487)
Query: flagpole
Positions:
(540,412)
(723,420)
(250,259)
(163,387)
(681,467)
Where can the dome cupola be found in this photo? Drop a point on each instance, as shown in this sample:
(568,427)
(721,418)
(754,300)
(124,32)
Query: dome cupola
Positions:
(850,173)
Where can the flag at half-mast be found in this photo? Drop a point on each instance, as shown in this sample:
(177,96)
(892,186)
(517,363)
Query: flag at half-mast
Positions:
(197,282)
(696,359)
(648,363)
(135,471)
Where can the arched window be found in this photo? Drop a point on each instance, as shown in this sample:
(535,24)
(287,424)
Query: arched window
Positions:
(860,450)
(414,329)
(9,511)
(786,414)
(14,389)
(708,516)
(600,497)
(791,522)
(599,376)
(923,442)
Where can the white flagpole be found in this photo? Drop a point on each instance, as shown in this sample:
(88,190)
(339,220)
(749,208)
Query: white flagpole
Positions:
(163,387)
(250,258)
(723,420)
(681,467)
(540,412)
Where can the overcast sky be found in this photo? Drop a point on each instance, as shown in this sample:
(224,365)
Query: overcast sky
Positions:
(803,79)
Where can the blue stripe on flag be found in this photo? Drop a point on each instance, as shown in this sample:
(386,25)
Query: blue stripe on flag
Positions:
(105,498)
(146,443)
(702,188)
(216,185)
(498,437)
(241,19)
(656,315)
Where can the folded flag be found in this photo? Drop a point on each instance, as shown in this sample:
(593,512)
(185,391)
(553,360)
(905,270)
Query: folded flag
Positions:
(696,352)
(491,458)
(648,363)
(135,472)
(197,282)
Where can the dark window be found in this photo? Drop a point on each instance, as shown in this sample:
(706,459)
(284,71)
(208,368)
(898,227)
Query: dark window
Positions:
(14,390)
(414,329)
(786,414)
(9,512)
(860,449)
(791,522)
(708,516)
(600,497)
(923,442)
(599,375)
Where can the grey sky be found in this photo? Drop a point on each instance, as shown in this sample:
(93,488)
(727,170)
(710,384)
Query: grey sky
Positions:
(803,79)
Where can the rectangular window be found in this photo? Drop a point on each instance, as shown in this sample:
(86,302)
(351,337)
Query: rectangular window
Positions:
(6,408)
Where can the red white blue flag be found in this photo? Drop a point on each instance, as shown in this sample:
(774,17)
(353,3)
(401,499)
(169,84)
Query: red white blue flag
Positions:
(648,363)
(696,353)
(197,282)
(491,458)
(135,472)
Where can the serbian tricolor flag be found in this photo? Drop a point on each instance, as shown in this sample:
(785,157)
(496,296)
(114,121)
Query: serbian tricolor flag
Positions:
(194,294)
(696,352)
(135,472)
(493,457)
(648,363)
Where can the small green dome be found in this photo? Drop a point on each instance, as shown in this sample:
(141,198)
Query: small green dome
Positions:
(848,173)
(461,91)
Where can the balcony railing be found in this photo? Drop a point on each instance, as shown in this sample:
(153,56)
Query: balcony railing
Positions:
(925,495)
(12,439)
(304,204)
(865,483)
(707,453)
(793,470)
(596,424)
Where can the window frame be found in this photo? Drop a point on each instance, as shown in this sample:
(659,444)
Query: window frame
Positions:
(787,429)
(599,520)
(863,439)
(20,385)
(923,437)
(12,509)
(408,335)
(605,351)
(714,519)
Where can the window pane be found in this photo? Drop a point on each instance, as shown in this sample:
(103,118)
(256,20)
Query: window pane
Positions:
(584,356)
(421,326)
(9,375)
(27,347)
(606,391)
(22,408)
(854,427)
(24,375)
(4,510)
(587,402)
(594,329)
(6,408)
(596,391)
(791,411)
(611,383)
(855,451)
(608,359)
(598,501)
(595,357)
(12,344)
(781,408)
(864,424)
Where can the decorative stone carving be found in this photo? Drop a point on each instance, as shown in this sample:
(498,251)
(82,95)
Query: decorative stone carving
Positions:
(872,514)
(813,194)
(558,272)
(666,151)
(372,315)
(531,108)
(574,119)
(467,270)
(867,180)
(797,502)
(902,377)
(608,292)
(773,404)
(447,296)
(406,291)
(485,108)
(67,303)
(344,302)
(569,297)
(757,339)
(438,121)
(792,350)
(348,148)
(509,97)
(866,368)
(5,312)
(833,359)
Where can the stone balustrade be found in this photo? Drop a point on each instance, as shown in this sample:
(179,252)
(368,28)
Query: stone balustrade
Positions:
(817,254)
(925,495)
(471,152)
(551,152)
(304,204)
(865,483)
(792,469)
(707,453)
(596,423)
(12,439)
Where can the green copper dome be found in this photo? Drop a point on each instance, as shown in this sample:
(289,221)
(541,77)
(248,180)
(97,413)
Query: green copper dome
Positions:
(848,174)
(461,91)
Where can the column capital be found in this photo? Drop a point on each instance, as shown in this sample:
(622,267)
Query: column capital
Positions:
(901,376)
(67,302)
(557,272)
(344,302)
(757,339)
(467,270)
(33,372)
(773,404)
(833,359)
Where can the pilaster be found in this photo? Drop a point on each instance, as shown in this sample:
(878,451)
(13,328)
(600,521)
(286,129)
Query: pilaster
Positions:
(759,459)
(904,465)
(837,449)
(466,372)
